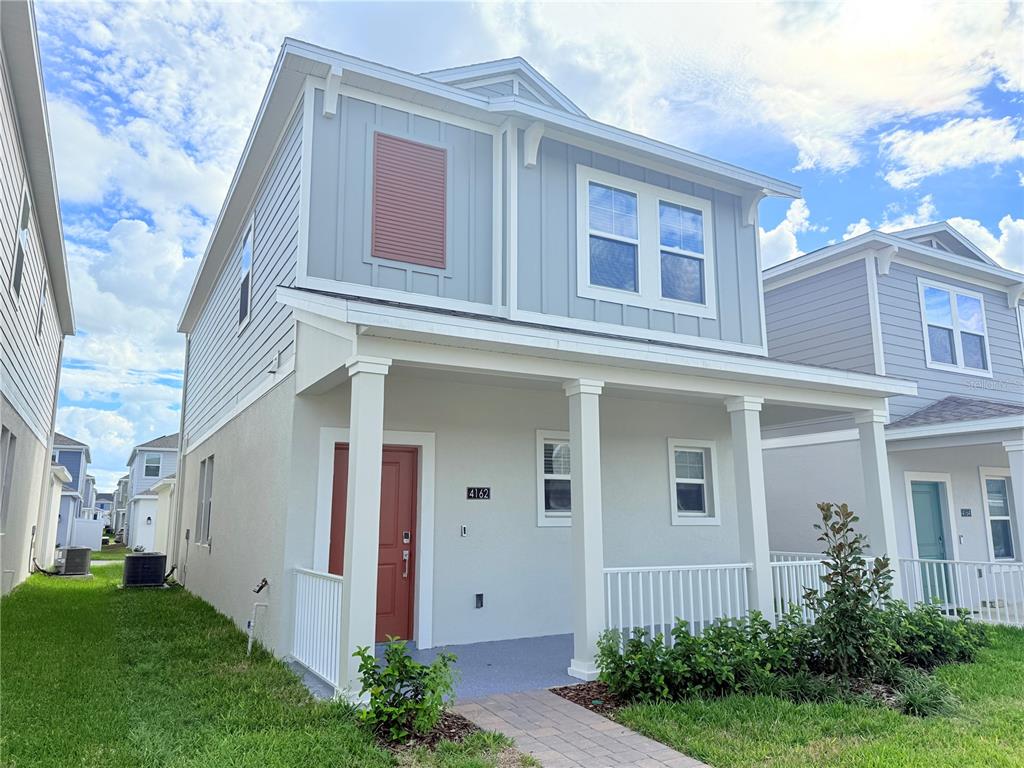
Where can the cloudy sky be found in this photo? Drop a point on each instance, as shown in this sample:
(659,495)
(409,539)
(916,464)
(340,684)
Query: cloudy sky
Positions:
(887,115)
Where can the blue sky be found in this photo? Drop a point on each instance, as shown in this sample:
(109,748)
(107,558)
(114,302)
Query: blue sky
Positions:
(888,115)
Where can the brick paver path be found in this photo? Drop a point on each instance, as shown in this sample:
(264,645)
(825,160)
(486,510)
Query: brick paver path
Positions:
(561,734)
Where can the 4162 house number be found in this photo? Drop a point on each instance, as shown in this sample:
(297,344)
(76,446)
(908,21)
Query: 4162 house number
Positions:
(478,493)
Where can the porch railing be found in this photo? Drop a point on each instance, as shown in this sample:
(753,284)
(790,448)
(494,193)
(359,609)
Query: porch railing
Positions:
(655,597)
(989,592)
(316,643)
(792,575)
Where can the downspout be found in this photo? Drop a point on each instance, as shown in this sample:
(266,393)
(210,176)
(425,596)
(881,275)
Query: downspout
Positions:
(46,486)
(179,495)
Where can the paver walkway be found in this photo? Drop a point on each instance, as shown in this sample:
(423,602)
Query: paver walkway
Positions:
(561,734)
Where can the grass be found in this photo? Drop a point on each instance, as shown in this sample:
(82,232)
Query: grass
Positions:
(987,729)
(111,552)
(93,676)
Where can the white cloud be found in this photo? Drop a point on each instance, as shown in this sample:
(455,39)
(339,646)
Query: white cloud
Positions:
(894,219)
(1007,249)
(780,244)
(912,156)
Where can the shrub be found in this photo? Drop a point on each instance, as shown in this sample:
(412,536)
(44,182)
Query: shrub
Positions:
(924,637)
(406,697)
(849,628)
(923,695)
(637,671)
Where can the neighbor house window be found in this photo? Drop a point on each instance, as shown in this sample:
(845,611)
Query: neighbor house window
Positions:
(956,337)
(205,504)
(21,246)
(7,445)
(997,506)
(42,309)
(245,280)
(409,201)
(640,244)
(692,487)
(152,466)
(554,493)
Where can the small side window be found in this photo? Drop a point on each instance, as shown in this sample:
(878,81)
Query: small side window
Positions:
(21,247)
(692,487)
(204,506)
(554,492)
(152,467)
(245,280)
(42,308)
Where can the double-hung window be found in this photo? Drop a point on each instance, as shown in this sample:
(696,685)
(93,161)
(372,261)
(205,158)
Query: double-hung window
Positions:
(643,245)
(693,488)
(245,280)
(554,494)
(21,246)
(205,502)
(42,309)
(996,490)
(152,465)
(956,337)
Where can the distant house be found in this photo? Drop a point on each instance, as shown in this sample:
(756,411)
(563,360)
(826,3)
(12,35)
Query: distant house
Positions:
(74,456)
(105,507)
(149,463)
(121,498)
(35,304)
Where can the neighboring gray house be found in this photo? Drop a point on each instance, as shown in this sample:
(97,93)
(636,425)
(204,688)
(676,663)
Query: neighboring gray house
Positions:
(74,456)
(35,303)
(923,304)
(460,359)
(148,464)
(105,507)
(120,510)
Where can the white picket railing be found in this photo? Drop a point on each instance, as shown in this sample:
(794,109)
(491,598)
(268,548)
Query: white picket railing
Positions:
(316,643)
(792,576)
(989,592)
(793,557)
(655,597)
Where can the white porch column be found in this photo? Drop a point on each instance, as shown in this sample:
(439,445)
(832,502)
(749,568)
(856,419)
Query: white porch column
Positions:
(878,520)
(587,533)
(1015,454)
(362,515)
(748,465)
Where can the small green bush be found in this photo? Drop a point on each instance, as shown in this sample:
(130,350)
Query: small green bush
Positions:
(925,695)
(926,638)
(406,697)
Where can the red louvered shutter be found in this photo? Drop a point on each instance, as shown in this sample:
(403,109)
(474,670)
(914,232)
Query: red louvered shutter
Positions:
(409,197)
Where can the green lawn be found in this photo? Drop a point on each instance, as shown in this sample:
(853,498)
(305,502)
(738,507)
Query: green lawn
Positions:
(741,731)
(95,676)
(111,552)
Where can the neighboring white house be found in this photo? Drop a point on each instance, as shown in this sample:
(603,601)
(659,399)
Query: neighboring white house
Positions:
(923,304)
(105,507)
(463,362)
(35,302)
(148,464)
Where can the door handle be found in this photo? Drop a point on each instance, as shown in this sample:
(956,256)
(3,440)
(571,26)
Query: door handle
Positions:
(405,560)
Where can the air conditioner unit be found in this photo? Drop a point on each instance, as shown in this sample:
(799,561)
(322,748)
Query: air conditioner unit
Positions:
(144,569)
(76,561)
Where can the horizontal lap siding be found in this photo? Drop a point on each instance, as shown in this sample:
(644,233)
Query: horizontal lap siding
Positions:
(340,210)
(28,362)
(547,251)
(900,307)
(823,320)
(225,365)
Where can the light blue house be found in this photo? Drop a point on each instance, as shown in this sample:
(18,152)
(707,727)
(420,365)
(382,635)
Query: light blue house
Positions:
(923,304)
(73,455)
(465,364)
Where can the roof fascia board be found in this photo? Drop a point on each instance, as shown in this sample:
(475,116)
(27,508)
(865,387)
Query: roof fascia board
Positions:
(955,427)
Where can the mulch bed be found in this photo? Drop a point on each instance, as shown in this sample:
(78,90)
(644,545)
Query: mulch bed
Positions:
(451,727)
(594,696)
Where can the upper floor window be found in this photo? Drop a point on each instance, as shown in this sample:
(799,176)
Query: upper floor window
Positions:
(643,245)
(42,309)
(245,280)
(554,493)
(956,337)
(21,247)
(152,466)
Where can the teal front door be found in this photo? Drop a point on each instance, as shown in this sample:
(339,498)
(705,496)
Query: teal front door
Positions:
(931,539)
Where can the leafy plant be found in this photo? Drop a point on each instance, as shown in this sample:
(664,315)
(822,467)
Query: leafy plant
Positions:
(406,696)
(925,637)
(849,627)
(925,695)
(637,669)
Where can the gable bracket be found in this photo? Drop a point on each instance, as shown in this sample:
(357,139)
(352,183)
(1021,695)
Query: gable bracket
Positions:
(531,143)
(1014,294)
(750,201)
(884,257)
(332,89)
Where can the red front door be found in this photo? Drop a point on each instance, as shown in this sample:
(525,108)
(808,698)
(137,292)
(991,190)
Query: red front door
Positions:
(396,561)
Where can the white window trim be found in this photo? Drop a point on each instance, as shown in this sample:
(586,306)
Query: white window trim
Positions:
(682,518)
(543,521)
(204,513)
(41,308)
(21,236)
(248,232)
(923,283)
(648,293)
(145,463)
(1000,473)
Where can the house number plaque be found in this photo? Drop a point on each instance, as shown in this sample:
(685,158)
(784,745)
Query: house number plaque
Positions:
(478,493)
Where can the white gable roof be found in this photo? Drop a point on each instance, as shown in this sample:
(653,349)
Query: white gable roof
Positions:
(942,236)
(517,71)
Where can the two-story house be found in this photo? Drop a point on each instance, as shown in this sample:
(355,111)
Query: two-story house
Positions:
(923,304)
(105,507)
(149,463)
(120,510)
(35,303)
(74,456)
(464,364)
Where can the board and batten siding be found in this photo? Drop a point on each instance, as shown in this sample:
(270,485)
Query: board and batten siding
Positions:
(547,252)
(339,244)
(900,307)
(28,361)
(823,320)
(225,364)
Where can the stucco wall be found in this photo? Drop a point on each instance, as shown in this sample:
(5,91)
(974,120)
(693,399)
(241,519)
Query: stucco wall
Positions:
(31,461)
